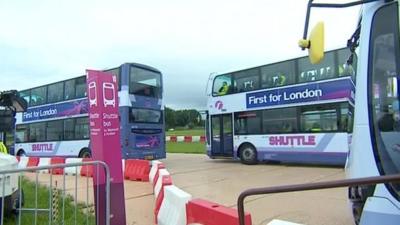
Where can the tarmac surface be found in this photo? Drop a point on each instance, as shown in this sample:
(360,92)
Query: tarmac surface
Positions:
(222,181)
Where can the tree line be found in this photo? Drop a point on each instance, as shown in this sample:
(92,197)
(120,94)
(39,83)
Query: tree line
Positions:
(188,118)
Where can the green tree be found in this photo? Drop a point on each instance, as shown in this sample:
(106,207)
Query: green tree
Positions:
(169,118)
(182,118)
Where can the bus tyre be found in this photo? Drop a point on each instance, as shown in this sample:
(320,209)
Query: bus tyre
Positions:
(85,153)
(21,153)
(248,155)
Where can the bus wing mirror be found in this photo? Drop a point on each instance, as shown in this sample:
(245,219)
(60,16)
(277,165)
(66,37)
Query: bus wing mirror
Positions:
(315,43)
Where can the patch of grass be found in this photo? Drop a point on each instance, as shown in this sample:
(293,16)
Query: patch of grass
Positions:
(187,132)
(43,202)
(182,147)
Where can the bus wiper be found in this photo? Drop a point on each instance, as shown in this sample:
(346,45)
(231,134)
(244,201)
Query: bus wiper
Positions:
(354,40)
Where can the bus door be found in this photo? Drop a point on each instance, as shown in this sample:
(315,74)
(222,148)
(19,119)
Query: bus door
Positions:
(222,135)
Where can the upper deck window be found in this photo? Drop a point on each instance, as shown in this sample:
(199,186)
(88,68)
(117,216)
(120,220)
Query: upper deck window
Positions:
(324,70)
(26,95)
(80,87)
(38,96)
(69,89)
(55,92)
(144,82)
(222,85)
(343,68)
(247,80)
(278,74)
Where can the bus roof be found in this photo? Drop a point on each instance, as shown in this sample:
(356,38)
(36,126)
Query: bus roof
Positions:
(133,64)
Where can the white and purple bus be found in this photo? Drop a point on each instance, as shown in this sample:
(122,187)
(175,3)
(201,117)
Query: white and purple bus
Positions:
(290,111)
(56,122)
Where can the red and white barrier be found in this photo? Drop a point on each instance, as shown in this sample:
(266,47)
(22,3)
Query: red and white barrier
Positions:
(210,213)
(187,139)
(173,208)
(72,170)
(86,170)
(23,162)
(136,169)
(32,162)
(172,205)
(166,181)
(44,162)
(180,138)
(54,161)
(158,182)
(282,222)
(155,165)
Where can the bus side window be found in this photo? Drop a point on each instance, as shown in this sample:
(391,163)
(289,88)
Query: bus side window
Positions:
(316,127)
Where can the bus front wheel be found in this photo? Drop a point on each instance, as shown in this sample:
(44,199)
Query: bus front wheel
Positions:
(248,155)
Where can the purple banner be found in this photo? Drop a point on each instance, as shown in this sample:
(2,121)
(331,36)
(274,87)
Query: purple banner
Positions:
(71,108)
(333,89)
(105,143)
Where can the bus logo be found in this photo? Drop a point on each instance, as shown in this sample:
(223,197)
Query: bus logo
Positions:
(219,104)
(92,94)
(108,94)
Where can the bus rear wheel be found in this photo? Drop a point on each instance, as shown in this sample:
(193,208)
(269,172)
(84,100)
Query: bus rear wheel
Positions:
(85,153)
(21,153)
(248,155)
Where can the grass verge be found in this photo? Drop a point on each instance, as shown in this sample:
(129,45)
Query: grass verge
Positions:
(183,147)
(43,202)
(187,132)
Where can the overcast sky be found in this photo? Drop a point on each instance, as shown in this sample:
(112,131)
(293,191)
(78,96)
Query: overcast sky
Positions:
(43,41)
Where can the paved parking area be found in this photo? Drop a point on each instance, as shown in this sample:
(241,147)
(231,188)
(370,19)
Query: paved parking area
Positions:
(221,181)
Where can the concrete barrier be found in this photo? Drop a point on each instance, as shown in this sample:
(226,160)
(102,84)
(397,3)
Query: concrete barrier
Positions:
(173,207)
